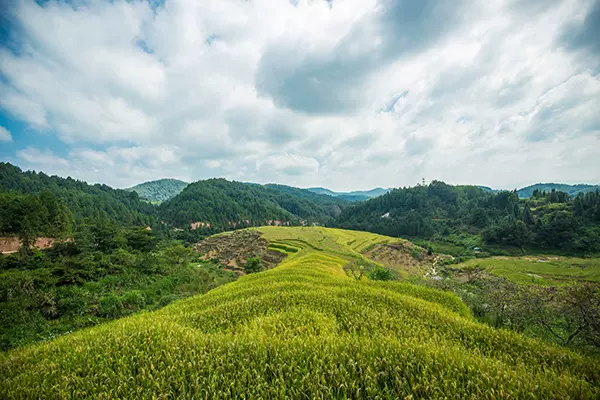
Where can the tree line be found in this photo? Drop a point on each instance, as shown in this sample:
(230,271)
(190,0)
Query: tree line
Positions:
(548,220)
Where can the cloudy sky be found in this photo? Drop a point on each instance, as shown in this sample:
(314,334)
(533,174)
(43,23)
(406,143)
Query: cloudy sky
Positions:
(347,94)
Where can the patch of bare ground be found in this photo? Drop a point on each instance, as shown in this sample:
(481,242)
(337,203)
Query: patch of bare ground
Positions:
(12,244)
(233,250)
(404,257)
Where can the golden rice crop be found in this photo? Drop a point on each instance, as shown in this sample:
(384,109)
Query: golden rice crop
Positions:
(301,330)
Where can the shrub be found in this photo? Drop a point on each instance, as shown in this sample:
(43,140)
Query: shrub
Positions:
(253,265)
(111,306)
(381,274)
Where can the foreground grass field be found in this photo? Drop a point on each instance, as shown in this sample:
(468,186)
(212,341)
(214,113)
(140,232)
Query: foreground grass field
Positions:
(539,269)
(301,330)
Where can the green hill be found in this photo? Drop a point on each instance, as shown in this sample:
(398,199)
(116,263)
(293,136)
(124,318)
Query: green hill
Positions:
(159,190)
(572,190)
(302,330)
(550,221)
(225,204)
(82,199)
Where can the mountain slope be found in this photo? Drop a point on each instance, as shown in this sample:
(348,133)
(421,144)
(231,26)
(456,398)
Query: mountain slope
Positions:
(159,190)
(224,204)
(83,200)
(572,190)
(358,195)
(553,221)
(301,330)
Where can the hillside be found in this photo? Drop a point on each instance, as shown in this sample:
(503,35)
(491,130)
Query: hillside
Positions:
(550,221)
(572,190)
(358,195)
(159,190)
(302,330)
(83,200)
(224,204)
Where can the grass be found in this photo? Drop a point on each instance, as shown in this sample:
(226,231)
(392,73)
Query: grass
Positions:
(301,330)
(539,269)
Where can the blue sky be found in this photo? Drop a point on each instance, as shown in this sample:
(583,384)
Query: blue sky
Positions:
(346,94)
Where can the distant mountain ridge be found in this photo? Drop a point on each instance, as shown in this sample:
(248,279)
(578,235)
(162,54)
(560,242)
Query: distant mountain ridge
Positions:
(357,195)
(159,190)
(572,190)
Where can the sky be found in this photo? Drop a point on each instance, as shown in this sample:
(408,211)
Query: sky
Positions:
(344,94)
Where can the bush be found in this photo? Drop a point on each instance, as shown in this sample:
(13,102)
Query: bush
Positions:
(111,306)
(381,274)
(253,265)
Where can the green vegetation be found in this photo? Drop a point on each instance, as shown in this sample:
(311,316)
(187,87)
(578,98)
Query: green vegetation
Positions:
(159,190)
(253,265)
(331,322)
(302,330)
(440,212)
(83,201)
(31,216)
(539,269)
(381,274)
(228,205)
(105,272)
(571,190)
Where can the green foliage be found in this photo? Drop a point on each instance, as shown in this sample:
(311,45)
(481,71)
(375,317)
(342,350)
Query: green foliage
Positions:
(31,216)
(571,190)
(381,274)
(82,200)
(301,330)
(106,272)
(159,190)
(227,205)
(549,220)
(253,265)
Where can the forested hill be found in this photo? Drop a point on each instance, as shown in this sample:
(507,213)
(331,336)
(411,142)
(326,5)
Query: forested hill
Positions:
(84,201)
(159,190)
(572,190)
(550,220)
(224,204)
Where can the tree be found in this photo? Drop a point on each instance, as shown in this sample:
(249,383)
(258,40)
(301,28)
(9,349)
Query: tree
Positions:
(527,217)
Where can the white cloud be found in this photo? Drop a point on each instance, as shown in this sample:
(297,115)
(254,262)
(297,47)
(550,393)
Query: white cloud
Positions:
(359,94)
(5,135)
(44,159)
(288,164)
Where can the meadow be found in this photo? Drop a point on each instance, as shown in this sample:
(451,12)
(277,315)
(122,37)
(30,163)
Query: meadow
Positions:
(302,330)
(543,269)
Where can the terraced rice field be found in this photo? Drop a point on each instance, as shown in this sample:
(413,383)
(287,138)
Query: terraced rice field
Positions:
(302,330)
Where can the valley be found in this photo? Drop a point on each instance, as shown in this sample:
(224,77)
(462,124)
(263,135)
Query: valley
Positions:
(228,289)
(304,318)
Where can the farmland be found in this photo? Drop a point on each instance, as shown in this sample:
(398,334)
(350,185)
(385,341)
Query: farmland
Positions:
(302,330)
(539,269)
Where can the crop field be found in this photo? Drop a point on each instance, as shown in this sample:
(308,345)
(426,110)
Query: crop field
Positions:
(340,242)
(302,330)
(539,269)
